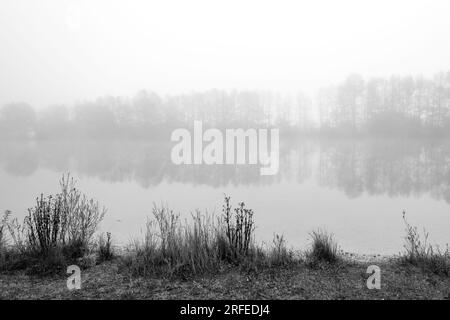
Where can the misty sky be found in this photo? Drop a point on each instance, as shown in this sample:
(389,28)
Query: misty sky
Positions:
(59,51)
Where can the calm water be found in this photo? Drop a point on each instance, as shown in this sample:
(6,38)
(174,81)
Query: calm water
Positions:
(356,189)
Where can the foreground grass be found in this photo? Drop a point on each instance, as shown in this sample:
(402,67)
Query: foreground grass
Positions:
(346,280)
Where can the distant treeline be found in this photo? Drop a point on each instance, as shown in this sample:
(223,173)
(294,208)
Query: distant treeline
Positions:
(394,106)
(148,115)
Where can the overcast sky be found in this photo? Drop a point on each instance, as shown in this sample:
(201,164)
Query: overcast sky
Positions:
(59,51)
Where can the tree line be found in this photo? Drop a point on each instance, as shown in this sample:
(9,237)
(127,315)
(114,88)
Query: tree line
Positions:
(377,106)
(149,115)
(397,105)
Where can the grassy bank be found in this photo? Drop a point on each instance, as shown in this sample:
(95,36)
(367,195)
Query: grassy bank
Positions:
(107,281)
(205,257)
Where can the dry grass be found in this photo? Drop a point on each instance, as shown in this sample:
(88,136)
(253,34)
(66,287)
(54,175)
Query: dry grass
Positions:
(279,255)
(172,247)
(323,249)
(201,245)
(3,241)
(419,252)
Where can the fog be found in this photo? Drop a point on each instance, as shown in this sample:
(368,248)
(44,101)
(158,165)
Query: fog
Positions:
(243,144)
(60,52)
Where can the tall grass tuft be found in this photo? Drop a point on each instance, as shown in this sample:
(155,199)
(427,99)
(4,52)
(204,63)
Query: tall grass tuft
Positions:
(105,248)
(278,254)
(3,226)
(172,247)
(419,252)
(324,248)
(3,241)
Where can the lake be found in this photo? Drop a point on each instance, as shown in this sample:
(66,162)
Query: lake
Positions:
(356,189)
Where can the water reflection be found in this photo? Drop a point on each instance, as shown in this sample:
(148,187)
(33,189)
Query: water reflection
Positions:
(393,168)
(375,167)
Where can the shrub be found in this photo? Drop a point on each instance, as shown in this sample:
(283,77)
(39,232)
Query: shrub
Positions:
(67,220)
(44,225)
(239,228)
(56,231)
(82,216)
(324,248)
